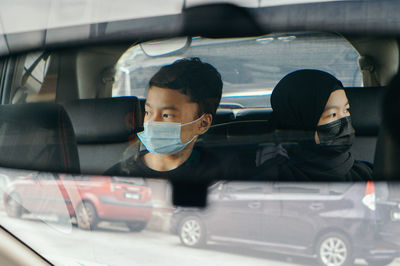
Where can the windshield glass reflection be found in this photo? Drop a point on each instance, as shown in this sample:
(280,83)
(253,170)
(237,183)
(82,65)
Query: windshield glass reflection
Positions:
(100,220)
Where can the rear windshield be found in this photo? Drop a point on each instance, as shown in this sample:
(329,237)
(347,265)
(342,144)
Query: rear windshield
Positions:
(251,67)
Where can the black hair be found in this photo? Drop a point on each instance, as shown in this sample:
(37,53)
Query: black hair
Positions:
(200,81)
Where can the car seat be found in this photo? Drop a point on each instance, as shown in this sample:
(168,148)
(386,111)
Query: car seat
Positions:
(105,130)
(366,119)
(37,136)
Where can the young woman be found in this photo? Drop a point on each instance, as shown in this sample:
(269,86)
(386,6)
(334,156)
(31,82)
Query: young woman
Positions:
(312,107)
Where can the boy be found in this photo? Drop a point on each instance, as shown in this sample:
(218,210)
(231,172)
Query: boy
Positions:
(181,102)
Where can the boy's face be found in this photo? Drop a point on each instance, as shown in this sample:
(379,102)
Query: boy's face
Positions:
(166,105)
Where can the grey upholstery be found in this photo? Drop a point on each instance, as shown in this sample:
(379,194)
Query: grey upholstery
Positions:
(37,136)
(365,107)
(104,129)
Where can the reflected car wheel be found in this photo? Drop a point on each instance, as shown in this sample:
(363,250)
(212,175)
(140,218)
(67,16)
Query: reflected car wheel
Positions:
(13,206)
(333,249)
(136,226)
(86,216)
(192,232)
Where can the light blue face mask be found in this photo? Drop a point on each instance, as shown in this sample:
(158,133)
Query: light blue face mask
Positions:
(164,137)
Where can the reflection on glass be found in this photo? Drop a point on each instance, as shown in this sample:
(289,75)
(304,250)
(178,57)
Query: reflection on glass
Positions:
(95,220)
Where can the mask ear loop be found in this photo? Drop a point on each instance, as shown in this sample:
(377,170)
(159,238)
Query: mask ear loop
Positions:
(195,121)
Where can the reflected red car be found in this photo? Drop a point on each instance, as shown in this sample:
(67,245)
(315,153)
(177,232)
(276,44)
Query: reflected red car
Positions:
(90,199)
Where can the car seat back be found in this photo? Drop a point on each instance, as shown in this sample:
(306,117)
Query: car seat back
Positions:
(366,119)
(37,136)
(105,130)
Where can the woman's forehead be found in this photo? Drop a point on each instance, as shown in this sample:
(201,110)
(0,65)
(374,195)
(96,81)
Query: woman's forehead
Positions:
(337,98)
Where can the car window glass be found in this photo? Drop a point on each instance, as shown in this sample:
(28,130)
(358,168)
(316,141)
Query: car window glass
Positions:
(265,220)
(240,212)
(248,79)
(250,67)
(38,81)
(97,218)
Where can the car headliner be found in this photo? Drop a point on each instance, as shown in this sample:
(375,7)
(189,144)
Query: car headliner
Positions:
(26,15)
(27,25)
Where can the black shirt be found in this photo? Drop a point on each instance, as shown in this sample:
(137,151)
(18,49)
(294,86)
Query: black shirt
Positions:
(201,165)
(295,164)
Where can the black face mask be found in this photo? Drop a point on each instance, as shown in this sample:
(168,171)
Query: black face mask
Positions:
(336,137)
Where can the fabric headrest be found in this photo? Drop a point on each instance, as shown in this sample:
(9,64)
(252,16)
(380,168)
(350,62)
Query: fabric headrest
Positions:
(365,109)
(223,116)
(106,120)
(254,114)
(37,136)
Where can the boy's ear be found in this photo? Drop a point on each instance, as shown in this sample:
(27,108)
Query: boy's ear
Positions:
(206,122)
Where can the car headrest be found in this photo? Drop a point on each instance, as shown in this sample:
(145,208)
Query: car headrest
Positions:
(263,114)
(37,136)
(365,106)
(106,120)
(223,116)
(142,102)
(244,127)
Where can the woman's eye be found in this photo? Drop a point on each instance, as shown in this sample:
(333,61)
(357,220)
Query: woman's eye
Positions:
(167,115)
(146,112)
(333,115)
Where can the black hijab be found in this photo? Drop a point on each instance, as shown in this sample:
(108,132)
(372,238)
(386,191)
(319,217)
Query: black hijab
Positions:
(298,101)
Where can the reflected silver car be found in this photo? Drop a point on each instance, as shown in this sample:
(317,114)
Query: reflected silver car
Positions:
(335,223)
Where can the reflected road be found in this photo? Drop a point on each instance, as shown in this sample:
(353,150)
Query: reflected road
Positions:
(113,244)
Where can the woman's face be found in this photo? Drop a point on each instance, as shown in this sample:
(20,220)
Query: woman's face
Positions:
(336,108)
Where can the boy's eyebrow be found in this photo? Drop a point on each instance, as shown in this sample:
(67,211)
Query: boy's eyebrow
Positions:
(171,107)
